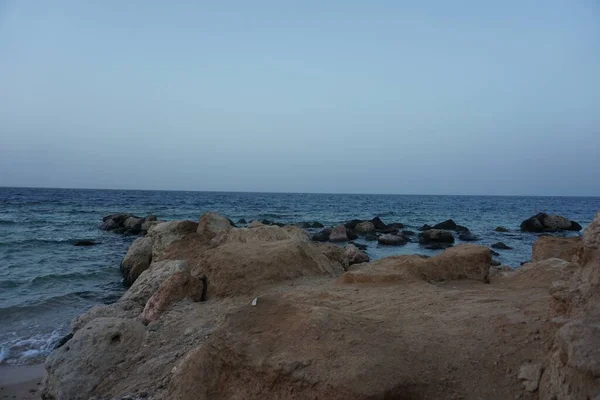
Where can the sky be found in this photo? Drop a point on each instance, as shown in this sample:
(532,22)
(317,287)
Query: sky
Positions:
(340,96)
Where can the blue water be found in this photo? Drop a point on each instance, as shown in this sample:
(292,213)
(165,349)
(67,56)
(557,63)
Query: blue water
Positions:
(45,281)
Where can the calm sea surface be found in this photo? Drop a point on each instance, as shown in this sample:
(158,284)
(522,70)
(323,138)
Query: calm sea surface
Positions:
(45,281)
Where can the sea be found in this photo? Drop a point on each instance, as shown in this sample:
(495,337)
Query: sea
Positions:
(45,281)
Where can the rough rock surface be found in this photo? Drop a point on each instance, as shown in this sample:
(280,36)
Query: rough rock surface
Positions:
(137,259)
(554,247)
(121,309)
(338,234)
(150,280)
(543,222)
(355,256)
(92,358)
(178,286)
(166,233)
(391,240)
(212,223)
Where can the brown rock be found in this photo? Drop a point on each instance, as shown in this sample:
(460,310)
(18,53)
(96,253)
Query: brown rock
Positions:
(391,240)
(338,234)
(355,256)
(150,280)
(137,259)
(554,247)
(212,223)
(166,233)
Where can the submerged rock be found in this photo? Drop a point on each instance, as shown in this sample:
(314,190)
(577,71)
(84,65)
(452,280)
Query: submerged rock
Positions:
(436,236)
(501,246)
(365,227)
(371,237)
(501,229)
(84,243)
(391,240)
(468,236)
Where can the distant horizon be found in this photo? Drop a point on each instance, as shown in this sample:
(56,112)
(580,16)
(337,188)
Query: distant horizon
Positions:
(278,192)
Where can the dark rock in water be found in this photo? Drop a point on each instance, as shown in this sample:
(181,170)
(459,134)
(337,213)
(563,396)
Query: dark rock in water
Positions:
(322,236)
(379,224)
(495,263)
(525,262)
(408,233)
(501,246)
(425,227)
(359,246)
(448,225)
(352,224)
(242,221)
(438,246)
(371,236)
(501,229)
(151,218)
(467,237)
(391,240)
(126,224)
(351,234)
(63,341)
(311,225)
(388,229)
(396,225)
(543,222)
(84,243)
(494,253)
(338,234)
(460,228)
(436,236)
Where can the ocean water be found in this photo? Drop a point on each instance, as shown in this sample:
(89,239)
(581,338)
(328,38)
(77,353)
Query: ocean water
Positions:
(45,281)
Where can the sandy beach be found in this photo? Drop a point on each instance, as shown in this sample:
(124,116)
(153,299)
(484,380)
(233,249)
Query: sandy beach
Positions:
(21,382)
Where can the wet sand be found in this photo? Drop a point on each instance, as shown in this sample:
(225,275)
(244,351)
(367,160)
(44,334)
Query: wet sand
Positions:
(21,382)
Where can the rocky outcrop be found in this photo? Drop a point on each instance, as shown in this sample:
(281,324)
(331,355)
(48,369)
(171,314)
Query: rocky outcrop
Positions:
(95,352)
(121,309)
(543,222)
(127,224)
(554,247)
(137,259)
(165,234)
(338,234)
(212,223)
(355,256)
(365,227)
(435,236)
(391,240)
(150,280)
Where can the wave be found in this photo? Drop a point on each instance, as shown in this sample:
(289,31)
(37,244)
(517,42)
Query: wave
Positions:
(29,350)
(7,222)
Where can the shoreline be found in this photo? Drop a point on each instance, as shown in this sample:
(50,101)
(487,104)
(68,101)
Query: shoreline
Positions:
(21,382)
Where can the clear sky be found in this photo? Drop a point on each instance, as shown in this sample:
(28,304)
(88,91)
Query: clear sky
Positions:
(428,97)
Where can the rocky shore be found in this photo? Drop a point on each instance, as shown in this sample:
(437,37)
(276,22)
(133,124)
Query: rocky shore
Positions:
(216,311)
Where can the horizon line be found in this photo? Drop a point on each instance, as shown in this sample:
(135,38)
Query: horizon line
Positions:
(280,192)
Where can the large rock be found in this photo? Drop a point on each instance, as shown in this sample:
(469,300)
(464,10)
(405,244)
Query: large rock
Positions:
(165,234)
(137,259)
(121,309)
(391,240)
(554,247)
(150,280)
(177,287)
(211,224)
(77,369)
(466,261)
(338,234)
(543,222)
(365,227)
(355,256)
(280,349)
(435,236)
(449,225)
(379,224)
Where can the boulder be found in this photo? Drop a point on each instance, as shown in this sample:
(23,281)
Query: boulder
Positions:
(501,229)
(165,234)
(379,224)
(150,280)
(365,227)
(212,223)
(355,256)
(147,225)
(543,222)
(177,287)
(371,237)
(555,247)
(408,233)
(322,236)
(133,225)
(352,224)
(467,236)
(121,309)
(425,227)
(77,369)
(436,236)
(501,246)
(351,234)
(391,240)
(137,259)
(448,225)
(84,243)
(338,234)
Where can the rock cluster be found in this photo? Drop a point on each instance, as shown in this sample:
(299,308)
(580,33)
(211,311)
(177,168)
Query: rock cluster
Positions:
(127,224)
(543,222)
